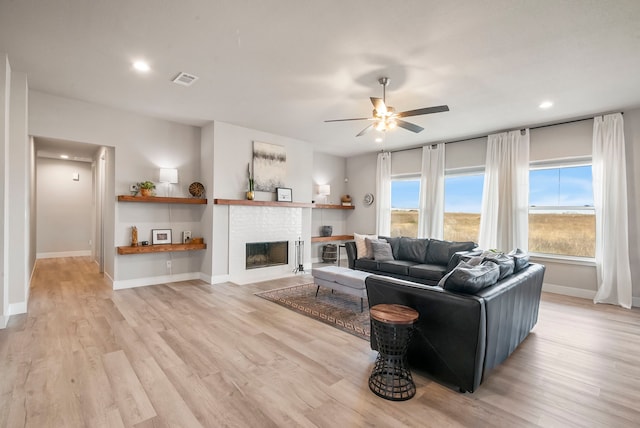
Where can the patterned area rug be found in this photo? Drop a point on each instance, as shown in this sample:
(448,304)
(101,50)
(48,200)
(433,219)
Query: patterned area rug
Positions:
(337,309)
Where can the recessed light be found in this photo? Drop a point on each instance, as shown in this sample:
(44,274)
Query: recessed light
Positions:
(378,140)
(141,66)
(64,156)
(546,104)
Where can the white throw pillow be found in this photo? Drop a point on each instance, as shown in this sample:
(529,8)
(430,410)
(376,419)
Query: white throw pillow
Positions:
(364,252)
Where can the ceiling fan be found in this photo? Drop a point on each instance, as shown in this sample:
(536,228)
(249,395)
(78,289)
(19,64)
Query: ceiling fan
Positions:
(385,117)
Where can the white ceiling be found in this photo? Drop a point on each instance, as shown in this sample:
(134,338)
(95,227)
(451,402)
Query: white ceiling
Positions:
(285,66)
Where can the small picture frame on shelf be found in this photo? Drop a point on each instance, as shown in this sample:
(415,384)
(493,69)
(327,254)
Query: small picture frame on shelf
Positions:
(284,194)
(160,236)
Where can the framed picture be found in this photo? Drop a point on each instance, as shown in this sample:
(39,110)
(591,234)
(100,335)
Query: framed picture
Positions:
(160,236)
(283,194)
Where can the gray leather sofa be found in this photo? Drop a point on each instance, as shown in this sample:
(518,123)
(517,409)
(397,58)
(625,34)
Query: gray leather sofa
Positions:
(421,260)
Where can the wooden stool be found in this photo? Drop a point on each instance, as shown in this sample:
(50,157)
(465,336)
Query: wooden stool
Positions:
(393,326)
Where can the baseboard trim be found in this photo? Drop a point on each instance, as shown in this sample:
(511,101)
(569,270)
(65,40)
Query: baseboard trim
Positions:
(206,278)
(55,255)
(17,308)
(568,291)
(219,279)
(3,322)
(154,280)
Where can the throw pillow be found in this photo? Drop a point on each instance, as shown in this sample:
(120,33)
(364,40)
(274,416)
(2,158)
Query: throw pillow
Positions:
(395,246)
(412,249)
(504,262)
(381,251)
(469,279)
(361,246)
(521,259)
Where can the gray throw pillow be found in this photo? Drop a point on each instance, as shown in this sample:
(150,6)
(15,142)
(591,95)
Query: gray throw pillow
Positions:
(469,279)
(395,246)
(413,250)
(504,262)
(521,259)
(382,251)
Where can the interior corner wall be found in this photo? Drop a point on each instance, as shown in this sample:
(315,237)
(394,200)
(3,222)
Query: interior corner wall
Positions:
(18,194)
(5,96)
(632,142)
(361,173)
(232,151)
(214,253)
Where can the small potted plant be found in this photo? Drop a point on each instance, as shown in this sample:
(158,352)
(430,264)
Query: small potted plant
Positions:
(146,187)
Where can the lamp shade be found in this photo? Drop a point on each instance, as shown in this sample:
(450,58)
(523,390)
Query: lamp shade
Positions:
(324,190)
(168,175)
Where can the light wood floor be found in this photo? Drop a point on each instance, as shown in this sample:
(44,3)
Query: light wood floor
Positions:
(189,354)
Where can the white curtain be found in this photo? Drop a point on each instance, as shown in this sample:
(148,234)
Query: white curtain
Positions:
(610,200)
(431,217)
(383,194)
(504,221)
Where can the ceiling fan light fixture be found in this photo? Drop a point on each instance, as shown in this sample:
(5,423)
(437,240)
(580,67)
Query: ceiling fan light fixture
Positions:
(381,126)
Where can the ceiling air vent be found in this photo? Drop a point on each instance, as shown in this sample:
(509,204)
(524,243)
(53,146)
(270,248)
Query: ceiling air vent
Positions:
(185,79)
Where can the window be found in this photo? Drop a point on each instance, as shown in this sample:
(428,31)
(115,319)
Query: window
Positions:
(561,214)
(405,203)
(462,205)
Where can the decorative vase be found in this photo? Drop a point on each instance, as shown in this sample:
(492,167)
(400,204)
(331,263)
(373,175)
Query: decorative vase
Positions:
(326,230)
(145,192)
(250,195)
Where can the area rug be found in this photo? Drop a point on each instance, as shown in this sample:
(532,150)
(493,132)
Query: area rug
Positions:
(337,309)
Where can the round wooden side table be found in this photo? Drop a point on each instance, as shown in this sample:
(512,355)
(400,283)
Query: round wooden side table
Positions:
(393,326)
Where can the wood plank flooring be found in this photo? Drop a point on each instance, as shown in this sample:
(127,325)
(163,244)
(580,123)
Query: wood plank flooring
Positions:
(190,354)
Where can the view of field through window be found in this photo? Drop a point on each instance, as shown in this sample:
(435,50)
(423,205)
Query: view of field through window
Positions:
(561,220)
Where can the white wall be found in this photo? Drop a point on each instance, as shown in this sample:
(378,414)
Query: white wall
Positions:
(65,207)
(361,172)
(232,151)
(5,96)
(20,265)
(632,140)
(141,146)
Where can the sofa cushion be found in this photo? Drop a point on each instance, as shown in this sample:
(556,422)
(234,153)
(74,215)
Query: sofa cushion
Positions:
(361,246)
(395,245)
(469,279)
(459,256)
(424,271)
(382,251)
(366,264)
(440,252)
(521,259)
(505,263)
(413,249)
(398,267)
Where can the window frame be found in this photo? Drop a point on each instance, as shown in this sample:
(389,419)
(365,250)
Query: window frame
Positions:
(558,164)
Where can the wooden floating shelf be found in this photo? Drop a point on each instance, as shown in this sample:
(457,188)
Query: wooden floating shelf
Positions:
(163,248)
(247,202)
(331,238)
(161,199)
(334,207)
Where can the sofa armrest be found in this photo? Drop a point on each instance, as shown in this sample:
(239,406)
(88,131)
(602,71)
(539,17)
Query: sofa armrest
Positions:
(512,312)
(352,253)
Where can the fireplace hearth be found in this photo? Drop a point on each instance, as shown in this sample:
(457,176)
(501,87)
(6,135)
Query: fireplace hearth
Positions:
(265,254)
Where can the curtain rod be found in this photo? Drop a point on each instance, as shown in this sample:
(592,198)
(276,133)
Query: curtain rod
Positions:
(485,136)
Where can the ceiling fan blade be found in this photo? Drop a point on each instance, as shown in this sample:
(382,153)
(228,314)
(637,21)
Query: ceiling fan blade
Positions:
(379,105)
(344,120)
(365,130)
(410,126)
(426,110)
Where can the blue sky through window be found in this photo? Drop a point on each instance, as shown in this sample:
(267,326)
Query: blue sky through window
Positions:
(569,186)
(405,194)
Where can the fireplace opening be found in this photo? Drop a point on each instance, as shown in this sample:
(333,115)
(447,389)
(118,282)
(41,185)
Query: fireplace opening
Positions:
(264,254)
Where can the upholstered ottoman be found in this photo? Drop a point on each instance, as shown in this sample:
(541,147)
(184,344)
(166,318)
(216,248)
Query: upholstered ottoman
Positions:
(341,279)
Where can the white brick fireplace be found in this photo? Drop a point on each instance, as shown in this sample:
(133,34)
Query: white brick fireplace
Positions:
(249,224)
